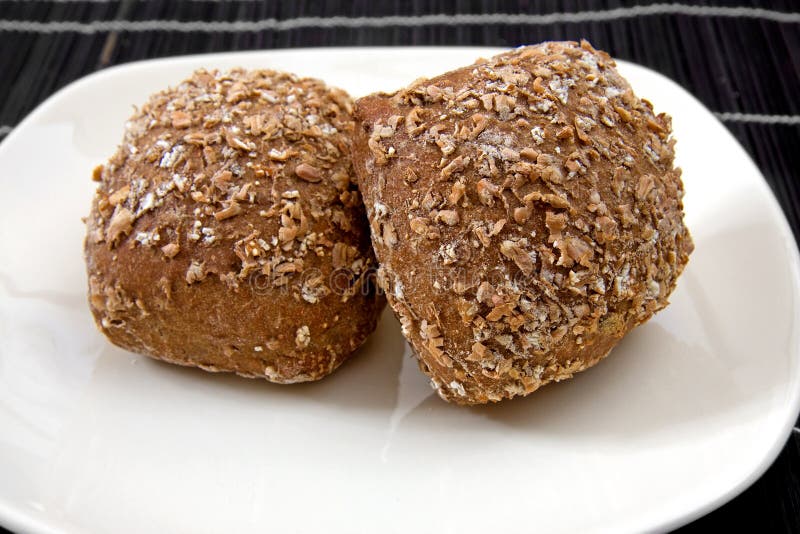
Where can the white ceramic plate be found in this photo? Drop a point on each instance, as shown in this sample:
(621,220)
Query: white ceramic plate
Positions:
(688,411)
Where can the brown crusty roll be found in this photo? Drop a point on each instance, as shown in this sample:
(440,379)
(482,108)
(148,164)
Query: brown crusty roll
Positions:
(227,232)
(526,215)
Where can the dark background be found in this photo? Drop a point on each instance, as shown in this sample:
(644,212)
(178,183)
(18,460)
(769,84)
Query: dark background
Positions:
(743,64)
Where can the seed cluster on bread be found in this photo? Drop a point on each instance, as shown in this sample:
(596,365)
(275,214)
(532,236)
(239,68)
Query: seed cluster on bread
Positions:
(227,231)
(525,212)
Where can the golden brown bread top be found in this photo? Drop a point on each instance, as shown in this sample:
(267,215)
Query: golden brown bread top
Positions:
(236,186)
(525,211)
(199,150)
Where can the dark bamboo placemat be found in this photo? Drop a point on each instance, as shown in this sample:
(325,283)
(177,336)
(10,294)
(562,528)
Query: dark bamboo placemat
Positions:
(741,59)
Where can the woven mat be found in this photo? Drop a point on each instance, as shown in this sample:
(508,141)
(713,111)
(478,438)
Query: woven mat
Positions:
(742,60)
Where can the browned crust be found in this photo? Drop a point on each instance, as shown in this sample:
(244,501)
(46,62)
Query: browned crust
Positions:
(227,233)
(526,214)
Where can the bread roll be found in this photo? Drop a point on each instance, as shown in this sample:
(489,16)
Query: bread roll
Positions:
(526,215)
(227,232)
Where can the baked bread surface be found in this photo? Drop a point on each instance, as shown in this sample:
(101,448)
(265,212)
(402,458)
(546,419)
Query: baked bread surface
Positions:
(227,232)
(525,212)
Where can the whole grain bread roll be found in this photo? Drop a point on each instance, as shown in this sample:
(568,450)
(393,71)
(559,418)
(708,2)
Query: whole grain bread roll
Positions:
(227,232)
(526,215)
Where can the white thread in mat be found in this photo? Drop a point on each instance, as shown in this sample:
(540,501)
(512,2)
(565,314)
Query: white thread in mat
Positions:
(789,120)
(724,116)
(101,26)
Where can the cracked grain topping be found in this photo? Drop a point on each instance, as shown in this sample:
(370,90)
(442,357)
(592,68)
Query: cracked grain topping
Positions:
(218,223)
(526,214)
